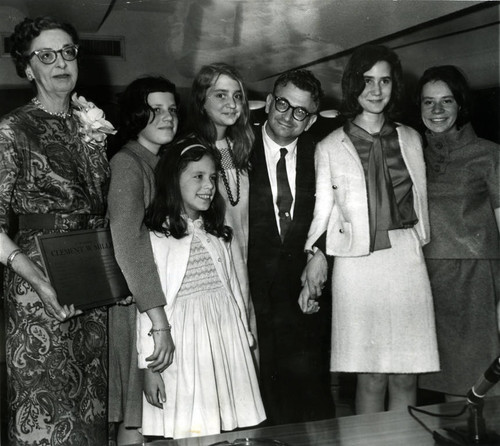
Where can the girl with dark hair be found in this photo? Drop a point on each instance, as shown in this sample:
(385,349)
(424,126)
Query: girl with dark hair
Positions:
(371,200)
(353,80)
(458,87)
(219,117)
(211,384)
(148,109)
(463,257)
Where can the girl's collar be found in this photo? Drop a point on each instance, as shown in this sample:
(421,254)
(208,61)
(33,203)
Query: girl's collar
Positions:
(197,223)
(453,140)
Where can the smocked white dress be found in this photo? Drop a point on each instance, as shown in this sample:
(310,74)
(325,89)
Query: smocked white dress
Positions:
(211,384)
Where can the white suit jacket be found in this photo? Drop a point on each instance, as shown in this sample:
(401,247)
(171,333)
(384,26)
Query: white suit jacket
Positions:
(341,196)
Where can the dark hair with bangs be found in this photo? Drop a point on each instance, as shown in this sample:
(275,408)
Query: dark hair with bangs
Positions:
(353,81)
(241,133)
(457,83)
(165,214)
(135,112)
(28,30)
(303,79)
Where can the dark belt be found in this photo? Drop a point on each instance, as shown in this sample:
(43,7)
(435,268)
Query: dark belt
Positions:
(57,221)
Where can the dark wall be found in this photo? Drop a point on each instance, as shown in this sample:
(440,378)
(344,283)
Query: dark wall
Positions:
(486,113)
(11,99)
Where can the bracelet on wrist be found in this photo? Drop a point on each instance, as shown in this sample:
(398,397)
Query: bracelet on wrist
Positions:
(154,330)
(12,256)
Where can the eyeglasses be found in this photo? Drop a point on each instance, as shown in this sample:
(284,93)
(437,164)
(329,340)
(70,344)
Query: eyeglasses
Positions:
(48,57)
(298,113)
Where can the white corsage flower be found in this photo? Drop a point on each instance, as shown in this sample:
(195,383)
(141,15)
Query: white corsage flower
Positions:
(93,125)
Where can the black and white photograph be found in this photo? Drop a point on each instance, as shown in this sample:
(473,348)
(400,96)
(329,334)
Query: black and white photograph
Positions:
(271,222)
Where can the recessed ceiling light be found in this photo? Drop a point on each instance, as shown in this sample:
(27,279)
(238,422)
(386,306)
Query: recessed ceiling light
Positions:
(329,113)
(255,105)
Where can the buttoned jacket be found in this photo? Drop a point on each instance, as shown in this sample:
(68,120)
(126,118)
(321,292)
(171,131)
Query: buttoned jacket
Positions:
(341,194)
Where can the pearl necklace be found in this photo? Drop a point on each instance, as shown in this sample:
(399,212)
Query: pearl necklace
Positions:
(38,104)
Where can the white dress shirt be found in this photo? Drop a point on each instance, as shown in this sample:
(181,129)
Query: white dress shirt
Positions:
(272,153)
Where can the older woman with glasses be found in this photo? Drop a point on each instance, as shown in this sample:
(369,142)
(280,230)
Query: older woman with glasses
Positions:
(53,177)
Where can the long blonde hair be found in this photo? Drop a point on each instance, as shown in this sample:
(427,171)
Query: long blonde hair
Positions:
(199,123)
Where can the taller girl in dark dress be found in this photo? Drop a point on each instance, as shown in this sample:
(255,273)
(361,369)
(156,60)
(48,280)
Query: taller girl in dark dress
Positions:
(463,257)
(148,110)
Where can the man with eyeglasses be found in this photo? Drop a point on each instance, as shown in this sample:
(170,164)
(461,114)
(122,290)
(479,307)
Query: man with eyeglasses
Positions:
(293,346)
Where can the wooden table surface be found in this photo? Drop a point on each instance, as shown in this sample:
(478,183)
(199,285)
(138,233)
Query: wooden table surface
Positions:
(395,428)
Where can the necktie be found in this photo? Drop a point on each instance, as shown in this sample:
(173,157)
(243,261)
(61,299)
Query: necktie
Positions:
(285,198)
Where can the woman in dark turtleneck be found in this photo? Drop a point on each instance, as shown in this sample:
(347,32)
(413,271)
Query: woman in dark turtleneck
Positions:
(463,257)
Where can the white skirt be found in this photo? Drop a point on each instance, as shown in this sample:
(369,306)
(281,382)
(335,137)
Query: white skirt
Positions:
(211,384)
(382,311)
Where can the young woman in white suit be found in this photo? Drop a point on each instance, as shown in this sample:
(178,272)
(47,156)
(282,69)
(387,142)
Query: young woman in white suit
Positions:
(371,201)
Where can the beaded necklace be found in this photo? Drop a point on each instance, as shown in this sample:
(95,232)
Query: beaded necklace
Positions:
(38,104)
(228,164)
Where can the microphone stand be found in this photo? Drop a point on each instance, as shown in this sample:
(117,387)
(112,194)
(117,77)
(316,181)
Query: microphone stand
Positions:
(474,434)
(476,425)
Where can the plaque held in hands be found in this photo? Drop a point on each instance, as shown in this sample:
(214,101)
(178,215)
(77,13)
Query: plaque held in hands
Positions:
(82,268)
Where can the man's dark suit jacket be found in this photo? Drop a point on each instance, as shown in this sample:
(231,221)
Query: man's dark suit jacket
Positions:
(294,347)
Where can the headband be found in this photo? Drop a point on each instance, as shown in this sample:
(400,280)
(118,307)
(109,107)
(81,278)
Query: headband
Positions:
(185,149)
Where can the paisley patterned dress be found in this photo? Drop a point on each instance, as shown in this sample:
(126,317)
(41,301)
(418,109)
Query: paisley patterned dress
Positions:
(57,372)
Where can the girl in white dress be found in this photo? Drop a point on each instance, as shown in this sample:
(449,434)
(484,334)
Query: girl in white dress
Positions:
(211,384)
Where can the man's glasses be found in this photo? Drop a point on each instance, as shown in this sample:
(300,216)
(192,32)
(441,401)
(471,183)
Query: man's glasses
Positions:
(48,57)
(298,113)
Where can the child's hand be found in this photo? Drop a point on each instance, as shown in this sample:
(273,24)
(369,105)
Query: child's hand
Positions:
(307,304)
(163,353)
(154,389)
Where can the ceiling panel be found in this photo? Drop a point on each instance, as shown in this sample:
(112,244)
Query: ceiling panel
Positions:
(86,16)
(266,37)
